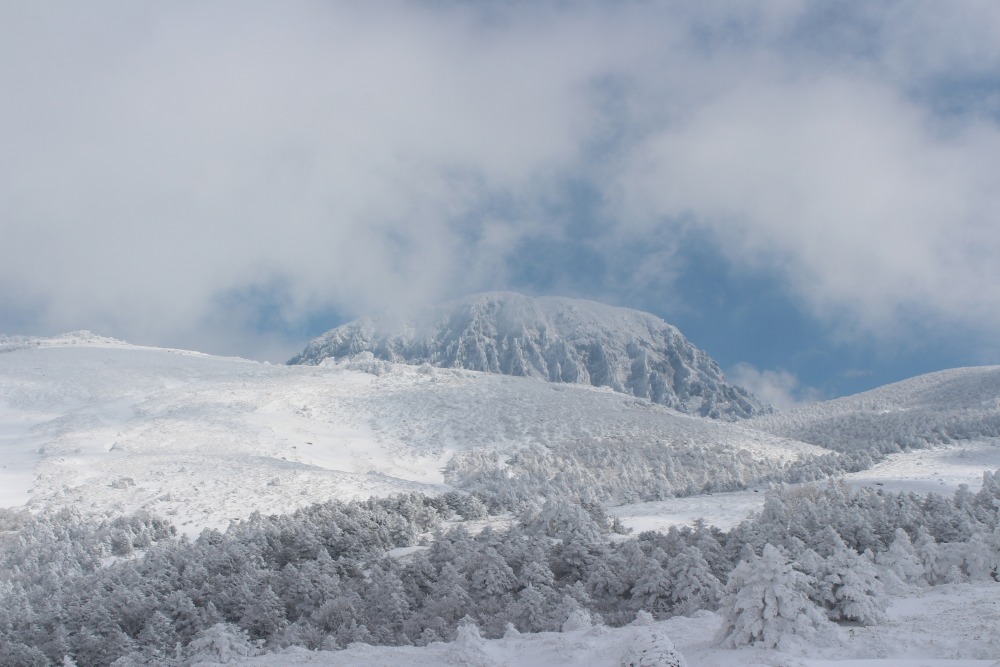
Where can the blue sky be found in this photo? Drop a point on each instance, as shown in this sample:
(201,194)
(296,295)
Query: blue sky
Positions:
(808,190)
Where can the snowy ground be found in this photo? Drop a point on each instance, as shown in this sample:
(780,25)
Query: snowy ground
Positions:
(956,625)
(939,470)
(724,510)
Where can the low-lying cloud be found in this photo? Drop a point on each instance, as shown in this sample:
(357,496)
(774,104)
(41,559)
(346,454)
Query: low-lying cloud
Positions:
(780,388)
(166,167)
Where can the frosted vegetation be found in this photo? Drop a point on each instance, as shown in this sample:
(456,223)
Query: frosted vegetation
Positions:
(401,571)
(937,408)
(556,339)
(490,518)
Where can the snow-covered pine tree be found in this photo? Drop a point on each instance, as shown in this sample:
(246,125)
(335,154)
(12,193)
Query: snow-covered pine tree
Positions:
(901,561)
(447,602)
(987,501)
(652,591)
(765,600)
(693,586)
(982,556)
(858,595)
(529,612)
(926,549)
(846,583)
(492,577)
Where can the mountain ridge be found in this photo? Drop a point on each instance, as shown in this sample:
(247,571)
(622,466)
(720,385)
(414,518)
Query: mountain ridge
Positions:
(557,339)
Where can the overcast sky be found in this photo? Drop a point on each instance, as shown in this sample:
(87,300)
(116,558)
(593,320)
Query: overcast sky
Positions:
(809,190)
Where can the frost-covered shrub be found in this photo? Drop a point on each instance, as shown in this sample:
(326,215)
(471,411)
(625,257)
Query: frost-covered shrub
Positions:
(221,643)
(652,648)
(578,619)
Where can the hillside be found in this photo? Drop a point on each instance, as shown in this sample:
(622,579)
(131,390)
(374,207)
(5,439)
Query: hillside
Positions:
(946,406)
(531,569)
(110,428)
(556,339)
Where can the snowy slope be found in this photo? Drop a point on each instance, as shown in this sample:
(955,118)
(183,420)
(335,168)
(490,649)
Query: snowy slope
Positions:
(557,339)
(951,405)
(107,427)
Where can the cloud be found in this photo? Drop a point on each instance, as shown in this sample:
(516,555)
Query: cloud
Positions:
(215,175)
(780,388)
(848,189)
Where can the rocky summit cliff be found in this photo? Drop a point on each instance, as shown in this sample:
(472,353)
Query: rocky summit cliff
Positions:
(556,339)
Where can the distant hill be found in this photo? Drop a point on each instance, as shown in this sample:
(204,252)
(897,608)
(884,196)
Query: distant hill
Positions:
(556,339)
(950,405)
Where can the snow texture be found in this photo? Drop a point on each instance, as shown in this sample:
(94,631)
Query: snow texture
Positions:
(556,339)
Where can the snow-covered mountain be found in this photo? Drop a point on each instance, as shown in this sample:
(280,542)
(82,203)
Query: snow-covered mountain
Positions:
(108,427)
(557,339)
(105,428)
(941,407)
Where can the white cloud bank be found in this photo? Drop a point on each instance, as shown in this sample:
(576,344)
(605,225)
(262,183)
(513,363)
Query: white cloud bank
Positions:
(162,159)
(780,388)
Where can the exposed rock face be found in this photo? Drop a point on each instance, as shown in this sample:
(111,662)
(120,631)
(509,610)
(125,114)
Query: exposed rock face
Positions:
(557,339)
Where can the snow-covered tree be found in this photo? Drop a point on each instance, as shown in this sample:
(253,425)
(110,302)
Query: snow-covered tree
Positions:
(652,591)
(492,577)
(578,619)
(693,586)
(529,612)
(845,583)
(901,561)
(447,602)
(987,501)
(857,594)
(982,556)
(469,648)
(766,599)
(926,549)
(386,605)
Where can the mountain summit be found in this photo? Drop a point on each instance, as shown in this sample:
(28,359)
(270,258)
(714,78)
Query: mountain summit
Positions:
(557,339)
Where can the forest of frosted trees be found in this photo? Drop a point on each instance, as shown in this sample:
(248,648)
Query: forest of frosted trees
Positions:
(610,471)
(128,592)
